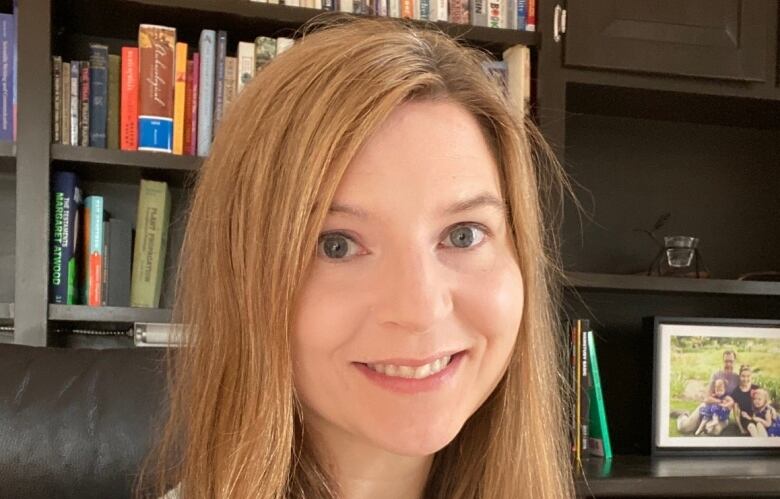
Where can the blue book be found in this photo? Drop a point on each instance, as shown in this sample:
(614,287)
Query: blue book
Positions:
(63,268)
(207,49)
(98,94)
(7,64)
(219,103)
(522,14)
(16,60)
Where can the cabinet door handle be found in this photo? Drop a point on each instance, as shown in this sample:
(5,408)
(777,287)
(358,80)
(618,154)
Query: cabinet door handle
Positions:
(559,23)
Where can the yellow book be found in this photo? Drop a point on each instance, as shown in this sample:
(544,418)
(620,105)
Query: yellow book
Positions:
(180,90)
(151,241)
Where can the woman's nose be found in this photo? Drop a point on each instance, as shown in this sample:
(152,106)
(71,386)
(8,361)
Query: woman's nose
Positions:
(414,293)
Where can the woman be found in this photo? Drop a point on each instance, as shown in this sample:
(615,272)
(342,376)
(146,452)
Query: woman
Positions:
(365,284)
(742,397)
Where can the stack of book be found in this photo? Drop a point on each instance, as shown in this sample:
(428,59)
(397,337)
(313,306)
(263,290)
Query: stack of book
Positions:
(590,434)
(154,97)
(91,258)
(506,14)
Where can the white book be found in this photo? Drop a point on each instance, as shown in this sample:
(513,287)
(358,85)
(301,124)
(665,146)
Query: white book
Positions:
(394,8)
(345,5)
(283,43)
(273,1)
(246,64)
(293,3)
(417,9)
(438,10)
(74,103)
(317,4)
(518,64)
(509,20)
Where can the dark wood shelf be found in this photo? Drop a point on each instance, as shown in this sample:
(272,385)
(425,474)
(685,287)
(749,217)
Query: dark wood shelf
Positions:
(7,157)
(654,284)
(644,476)
(83,313)
(6,311)
(130,166)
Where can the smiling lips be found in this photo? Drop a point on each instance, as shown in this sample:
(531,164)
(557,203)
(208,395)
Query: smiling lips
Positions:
(401,371)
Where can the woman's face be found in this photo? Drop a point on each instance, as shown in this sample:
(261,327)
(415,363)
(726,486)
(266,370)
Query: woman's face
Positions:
(745,377)
(407,319)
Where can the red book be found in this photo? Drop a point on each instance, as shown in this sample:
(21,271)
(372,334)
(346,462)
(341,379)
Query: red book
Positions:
(530,24)
(129,89)
(191,111)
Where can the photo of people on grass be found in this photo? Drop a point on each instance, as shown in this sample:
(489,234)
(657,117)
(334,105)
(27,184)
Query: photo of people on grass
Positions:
(719,387)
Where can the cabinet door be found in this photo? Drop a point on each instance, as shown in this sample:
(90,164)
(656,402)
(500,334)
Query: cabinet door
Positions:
(725,39)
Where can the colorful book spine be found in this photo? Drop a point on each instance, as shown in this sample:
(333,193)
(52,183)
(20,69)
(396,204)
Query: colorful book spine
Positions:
(230,88)
(128,119)
(522,13)
(219,97)
(98,94)
(195,91)
(188,109)
(156,61)
(265,50)
(8,76)
(425,9)
(119,262)
(63,274)
(208,53)
(407,9)
(104,267)
(154,205)
(15,71)
(64,116)
(479,12)
(56,102)
(180,98)
(599,441)
(530,23)
(75,78)
(459,11)
(84,104)
(494,13)
(114,73)
(91,286)
(246,64)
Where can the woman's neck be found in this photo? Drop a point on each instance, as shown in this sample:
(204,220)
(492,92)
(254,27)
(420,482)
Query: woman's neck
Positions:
(363,471)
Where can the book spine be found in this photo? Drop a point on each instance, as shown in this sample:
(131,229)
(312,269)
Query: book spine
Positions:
(394,8)
(265,50)
(84,104)
(530,24)
(104,267)
(584,382)
(14,67)
(329,4)
(494,13)
(231,72)
(179,98)
(193,123)
(75,78)
(246,64)
(56,82)
(380,7)
(283,43)
(479,15)
(156,60)
(522,13)
(64,116)
(425,9)
(187,146)
(509,14)
(442,10)
(98,94)
(65,201)
(8,76)
(459,11)
(93,250)
(207,50)
(129,103)
(120,243)
(219,98)
(150,244)
(114,72)
(600,430)
(407,9)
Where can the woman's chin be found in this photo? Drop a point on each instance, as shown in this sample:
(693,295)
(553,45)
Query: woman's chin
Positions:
(411,443)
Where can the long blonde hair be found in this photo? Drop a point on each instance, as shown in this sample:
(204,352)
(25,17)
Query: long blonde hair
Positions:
(233,427)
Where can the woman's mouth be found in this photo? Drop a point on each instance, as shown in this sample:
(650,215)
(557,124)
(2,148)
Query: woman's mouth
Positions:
(420,372)
(399,376)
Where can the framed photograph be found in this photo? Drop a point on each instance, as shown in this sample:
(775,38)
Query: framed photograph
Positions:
(716,384)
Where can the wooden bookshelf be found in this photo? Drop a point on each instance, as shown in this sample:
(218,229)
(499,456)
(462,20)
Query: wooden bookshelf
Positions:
(738,476)
(655,284)
(83,313)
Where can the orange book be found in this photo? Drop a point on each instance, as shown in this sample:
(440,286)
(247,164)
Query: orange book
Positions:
(179,98)
(407,9)
(128,118)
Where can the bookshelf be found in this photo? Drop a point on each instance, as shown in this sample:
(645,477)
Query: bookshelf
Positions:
(636,139)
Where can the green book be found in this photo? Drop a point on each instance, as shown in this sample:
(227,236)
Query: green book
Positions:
(114,72)
(151,238)
(598,438)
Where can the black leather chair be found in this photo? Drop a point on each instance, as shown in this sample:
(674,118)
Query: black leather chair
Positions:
(76,423)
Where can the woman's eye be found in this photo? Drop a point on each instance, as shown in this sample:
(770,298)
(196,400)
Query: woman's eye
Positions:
(336,246)
(464,236)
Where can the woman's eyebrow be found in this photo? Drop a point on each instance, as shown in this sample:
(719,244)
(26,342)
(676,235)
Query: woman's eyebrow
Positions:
(478,201)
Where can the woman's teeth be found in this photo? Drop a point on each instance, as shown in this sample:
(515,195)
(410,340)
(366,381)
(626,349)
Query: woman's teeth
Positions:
(412,372)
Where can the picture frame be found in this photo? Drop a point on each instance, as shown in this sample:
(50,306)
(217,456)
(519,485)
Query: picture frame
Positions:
(697,366)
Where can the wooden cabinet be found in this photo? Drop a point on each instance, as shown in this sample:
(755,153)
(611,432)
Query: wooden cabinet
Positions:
(725,39)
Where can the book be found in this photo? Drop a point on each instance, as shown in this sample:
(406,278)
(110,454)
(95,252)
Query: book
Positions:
(583,325)
(231,74)
(8,52)
(439,10)
(219,79)
(14,68)
(459,11)
(509,15)
(112,127)
(265,50)
(246,64)
(179,98)
(118,262)
(156,62)
(207,50)
(84,104)
(56,101)
(598,440)
(64,116)
(92,244)
(495,13)
(530,21)
(407,9)
(283,43)
(394,8)
(522,12)
(479,12)
(63,271)
(98,94)
(518,61)
(75,78)
(104,267)
(190,111)
(128,118)
(154,207)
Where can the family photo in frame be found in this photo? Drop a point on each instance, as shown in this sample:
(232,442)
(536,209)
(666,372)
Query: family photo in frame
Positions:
(716,384)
